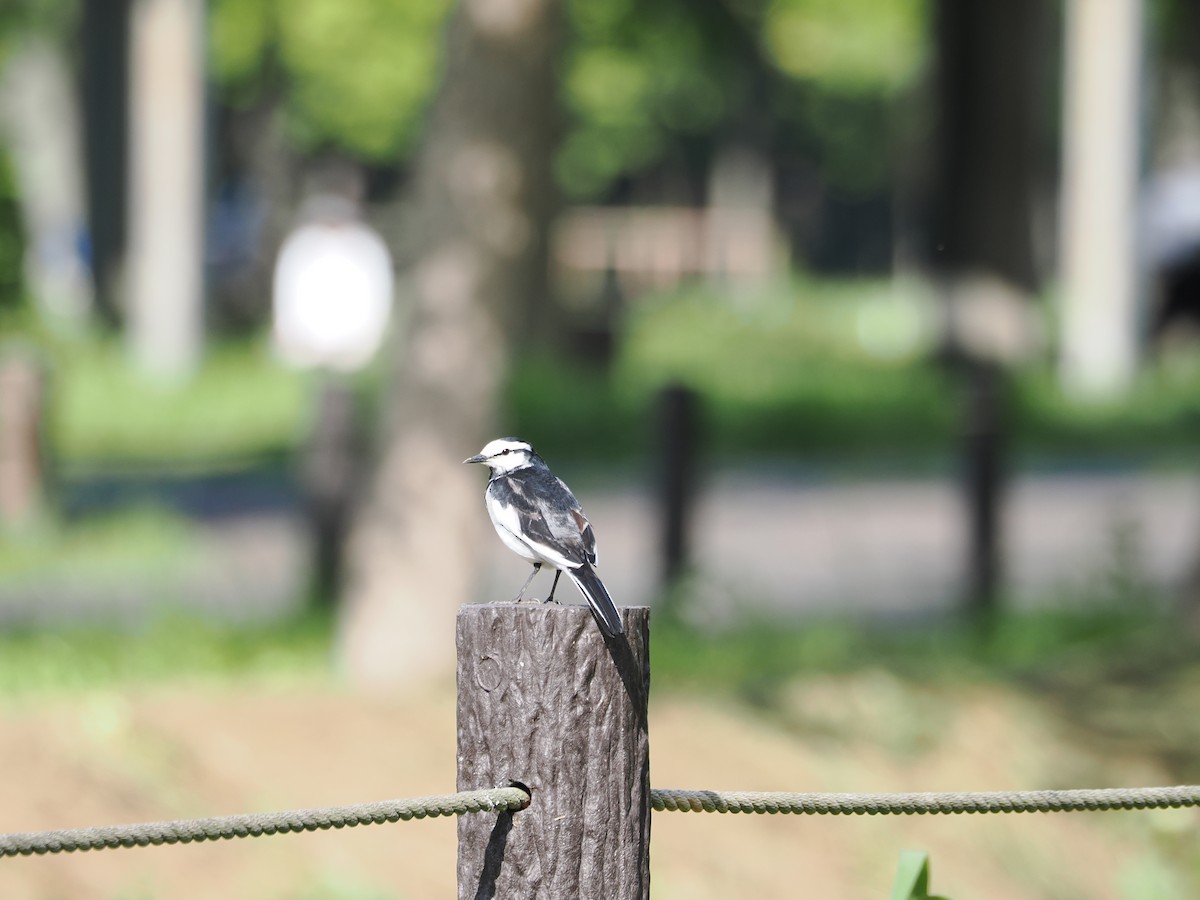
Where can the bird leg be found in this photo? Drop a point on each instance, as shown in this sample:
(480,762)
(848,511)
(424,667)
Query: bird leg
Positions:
(551,599)
(537,567)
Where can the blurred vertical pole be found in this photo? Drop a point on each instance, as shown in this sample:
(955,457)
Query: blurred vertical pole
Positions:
(983,459)
(990,80)
(330,475)
(677,407)
(22,417)
(165,275)
(104,36)
(1101,138)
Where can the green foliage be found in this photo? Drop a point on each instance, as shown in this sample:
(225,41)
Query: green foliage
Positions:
(241,33)
(12,242)
(169,650)
(358,74)
(787,371)
(640,80)
(846,134)
(833,370)
(638,76)
(1160,412)
(643,79)
(757,658)
(912,877)
(851,46)
(240,404)
(562,408)
(53,18)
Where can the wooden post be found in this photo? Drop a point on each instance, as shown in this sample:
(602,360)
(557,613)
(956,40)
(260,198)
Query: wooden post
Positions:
(330,473)
(22,424)
(545,702)
(678,432)
(983,459)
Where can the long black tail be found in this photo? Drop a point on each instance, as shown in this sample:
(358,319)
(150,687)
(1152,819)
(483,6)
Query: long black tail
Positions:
(594,592)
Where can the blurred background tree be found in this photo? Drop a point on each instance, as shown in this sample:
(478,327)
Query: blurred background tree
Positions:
(481,204)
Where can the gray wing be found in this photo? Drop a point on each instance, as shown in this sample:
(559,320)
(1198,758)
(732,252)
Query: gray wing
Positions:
(550,514)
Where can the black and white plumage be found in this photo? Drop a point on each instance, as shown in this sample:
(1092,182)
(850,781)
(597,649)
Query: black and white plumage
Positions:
(538,518)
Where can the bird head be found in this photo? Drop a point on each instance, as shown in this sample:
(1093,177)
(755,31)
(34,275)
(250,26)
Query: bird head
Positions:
(504,455)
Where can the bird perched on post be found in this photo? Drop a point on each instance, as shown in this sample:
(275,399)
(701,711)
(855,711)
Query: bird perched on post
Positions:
(538,518)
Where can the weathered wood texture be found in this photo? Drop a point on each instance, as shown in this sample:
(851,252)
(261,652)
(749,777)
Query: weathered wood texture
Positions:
(545,702)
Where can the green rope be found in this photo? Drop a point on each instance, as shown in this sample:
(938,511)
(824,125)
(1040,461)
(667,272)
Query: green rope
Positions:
(924,804)
(185,831)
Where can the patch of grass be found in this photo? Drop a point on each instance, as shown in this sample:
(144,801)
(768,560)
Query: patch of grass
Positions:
(788,370)
(171,649)
(842,371)
(751,658)
(572,412)
(1125,681)
(1159,416)
(240,404)
(136,541)
(784,373)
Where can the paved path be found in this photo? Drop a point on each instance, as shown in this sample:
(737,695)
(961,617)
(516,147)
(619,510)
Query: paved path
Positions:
(895,548)
(765,543)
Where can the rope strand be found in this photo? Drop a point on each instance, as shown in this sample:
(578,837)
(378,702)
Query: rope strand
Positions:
(511,799)
(924,804)
(185,831)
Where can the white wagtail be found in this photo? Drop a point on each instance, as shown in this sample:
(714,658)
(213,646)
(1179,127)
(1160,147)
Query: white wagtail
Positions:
(538,517)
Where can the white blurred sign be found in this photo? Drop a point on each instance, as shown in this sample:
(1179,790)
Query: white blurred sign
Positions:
(332,295)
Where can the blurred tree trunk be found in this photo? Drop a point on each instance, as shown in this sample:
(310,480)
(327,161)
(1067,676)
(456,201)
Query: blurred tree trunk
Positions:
(477,223)
(1102,125)
(39,117)
(990,76)
(165,261)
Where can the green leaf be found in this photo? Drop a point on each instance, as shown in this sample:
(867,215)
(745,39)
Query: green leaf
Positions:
(912,877)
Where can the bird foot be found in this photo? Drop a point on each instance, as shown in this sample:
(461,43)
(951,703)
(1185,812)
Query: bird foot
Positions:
(551,600)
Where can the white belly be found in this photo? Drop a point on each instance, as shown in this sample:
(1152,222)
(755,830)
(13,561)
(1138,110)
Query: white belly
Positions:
(506,521)
(511,541)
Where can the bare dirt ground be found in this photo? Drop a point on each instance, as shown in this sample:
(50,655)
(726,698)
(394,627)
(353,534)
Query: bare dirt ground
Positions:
(183,751)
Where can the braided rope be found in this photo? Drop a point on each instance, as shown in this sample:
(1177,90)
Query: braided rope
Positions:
(924,804)
(185,831)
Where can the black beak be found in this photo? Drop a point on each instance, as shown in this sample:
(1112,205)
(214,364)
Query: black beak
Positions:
(477,458)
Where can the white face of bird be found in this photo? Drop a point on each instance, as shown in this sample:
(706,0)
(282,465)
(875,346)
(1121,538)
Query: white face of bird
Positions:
(503,455)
